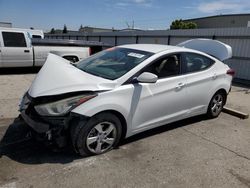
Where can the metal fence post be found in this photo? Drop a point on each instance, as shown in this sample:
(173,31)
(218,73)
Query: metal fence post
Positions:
(169,39)
(137,39)
(115,40)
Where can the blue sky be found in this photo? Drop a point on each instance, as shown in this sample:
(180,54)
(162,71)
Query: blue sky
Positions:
(147,14)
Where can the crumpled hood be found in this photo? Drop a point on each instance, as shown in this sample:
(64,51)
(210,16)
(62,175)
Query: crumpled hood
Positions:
(58,76)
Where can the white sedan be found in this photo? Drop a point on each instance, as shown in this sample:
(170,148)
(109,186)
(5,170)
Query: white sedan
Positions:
(125,90)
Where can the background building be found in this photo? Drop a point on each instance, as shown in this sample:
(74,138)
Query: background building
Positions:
(88,29)
(222,21)
(5,24)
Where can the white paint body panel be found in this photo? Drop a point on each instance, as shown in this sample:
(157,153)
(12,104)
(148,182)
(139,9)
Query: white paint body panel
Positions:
(16,56)
(143,105)
(59,76)
(215,48)
(41,52)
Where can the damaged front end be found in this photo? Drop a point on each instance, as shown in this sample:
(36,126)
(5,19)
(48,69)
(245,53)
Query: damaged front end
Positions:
(51,129)
(58,88)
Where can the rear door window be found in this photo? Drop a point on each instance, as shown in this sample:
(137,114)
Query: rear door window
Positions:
(14,39)
(192,62)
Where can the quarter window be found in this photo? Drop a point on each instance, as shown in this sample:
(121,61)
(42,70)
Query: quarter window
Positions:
(166,66)
(192,62)
(13,39)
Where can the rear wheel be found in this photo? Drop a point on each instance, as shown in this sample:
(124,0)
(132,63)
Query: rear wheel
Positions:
(99,135)
(216,104)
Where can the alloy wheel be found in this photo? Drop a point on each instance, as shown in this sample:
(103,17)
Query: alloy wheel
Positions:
(217,104)
(101,137)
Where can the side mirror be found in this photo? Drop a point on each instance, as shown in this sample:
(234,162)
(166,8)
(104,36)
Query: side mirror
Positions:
(147,77)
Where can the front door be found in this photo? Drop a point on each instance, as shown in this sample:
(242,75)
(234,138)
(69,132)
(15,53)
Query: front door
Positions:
(161,102)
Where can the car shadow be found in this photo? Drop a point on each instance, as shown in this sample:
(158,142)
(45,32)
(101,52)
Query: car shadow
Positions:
(19,70)
(164,128)
(18,146)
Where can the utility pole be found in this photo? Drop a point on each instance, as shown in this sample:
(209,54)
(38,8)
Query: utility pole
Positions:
(127,25)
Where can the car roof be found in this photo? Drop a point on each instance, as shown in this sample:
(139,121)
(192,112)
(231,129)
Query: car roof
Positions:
(156,48)
(153,48)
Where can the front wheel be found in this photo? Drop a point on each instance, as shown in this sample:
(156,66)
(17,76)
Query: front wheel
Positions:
(216,105)
(99,135)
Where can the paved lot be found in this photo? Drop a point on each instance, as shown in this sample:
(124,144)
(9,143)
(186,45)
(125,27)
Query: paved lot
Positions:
(190,153)
(13,84)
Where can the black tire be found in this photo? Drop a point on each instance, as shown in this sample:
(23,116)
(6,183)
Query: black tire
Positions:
(216,104)
(82,131)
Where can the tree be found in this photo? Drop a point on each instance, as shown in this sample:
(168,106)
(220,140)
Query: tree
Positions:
(179,24)
(65,30)
(191,25)
(52,31)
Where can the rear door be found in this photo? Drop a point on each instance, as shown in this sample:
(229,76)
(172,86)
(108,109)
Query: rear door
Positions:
(16,49)
(200,77)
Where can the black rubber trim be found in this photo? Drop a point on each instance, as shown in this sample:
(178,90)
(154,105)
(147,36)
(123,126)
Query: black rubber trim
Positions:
(37,126)
(67,42)
(52,98)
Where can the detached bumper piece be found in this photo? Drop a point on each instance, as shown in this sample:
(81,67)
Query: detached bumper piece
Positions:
(49,130)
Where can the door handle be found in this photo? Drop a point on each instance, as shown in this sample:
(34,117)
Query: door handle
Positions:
(214,76)
(26,51)
(180,85)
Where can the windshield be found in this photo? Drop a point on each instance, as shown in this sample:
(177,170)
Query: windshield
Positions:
(113,62)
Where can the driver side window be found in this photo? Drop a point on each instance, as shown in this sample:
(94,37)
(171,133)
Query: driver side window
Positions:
(166,66)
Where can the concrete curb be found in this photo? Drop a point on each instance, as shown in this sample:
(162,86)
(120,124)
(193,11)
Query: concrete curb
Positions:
(236,113)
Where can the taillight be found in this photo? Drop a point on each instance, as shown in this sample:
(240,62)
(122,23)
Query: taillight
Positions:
(231,72)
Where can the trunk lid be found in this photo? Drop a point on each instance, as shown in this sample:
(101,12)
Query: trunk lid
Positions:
(215,48)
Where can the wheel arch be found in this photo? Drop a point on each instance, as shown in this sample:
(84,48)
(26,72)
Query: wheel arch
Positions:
(222,90)
(120,117)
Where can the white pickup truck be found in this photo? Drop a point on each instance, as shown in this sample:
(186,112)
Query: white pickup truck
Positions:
(17,49)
